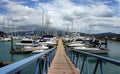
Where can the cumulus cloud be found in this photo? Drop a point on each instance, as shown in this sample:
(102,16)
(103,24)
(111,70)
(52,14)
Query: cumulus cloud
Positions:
(97,16)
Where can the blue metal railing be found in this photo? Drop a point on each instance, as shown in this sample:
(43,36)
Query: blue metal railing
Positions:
(77,55)
(44,57)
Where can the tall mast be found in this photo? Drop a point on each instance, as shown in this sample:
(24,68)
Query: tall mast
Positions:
(72,25)
(4,22)
(43,18)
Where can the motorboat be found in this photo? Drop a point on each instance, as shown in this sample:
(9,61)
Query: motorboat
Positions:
(26,42)
(76,42)
(5,39)
(49,41)
(33,48)
(38,51)
(91,49)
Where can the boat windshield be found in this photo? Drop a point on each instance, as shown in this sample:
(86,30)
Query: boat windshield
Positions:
(26,41)
(78,40)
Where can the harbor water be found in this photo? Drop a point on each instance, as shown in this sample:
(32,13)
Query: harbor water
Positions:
(114,53)
(6,56)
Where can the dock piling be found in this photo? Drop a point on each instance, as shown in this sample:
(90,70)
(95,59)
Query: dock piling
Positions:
(12,47)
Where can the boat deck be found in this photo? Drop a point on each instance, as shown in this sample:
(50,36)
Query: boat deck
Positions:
(92,50)
(61,64)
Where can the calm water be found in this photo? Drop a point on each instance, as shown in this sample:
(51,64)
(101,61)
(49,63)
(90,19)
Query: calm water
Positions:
(6,56)
(114,53)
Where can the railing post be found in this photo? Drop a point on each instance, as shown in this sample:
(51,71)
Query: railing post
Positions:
(95,69)
(79,62)
(18,72)
(87,66)
(37,70)
(77,57)
(47,62)
(83,63)
(51,55)
(49,59)
(74,57)
(70,55)
(44,65)
(101,67)
(41,65)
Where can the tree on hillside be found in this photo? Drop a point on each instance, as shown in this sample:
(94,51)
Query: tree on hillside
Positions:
(2,34)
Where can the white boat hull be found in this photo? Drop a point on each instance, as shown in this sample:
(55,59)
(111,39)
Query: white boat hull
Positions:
(35,48)
(75,44)
(92,50)
(38,51)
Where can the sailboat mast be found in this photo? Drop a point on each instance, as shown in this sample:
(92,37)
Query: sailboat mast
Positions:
(43,21)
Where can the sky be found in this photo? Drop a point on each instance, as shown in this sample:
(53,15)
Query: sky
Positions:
(90,16)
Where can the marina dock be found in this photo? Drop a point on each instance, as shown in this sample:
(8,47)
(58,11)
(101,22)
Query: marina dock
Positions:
(61,64)
(62,61)
(59,37)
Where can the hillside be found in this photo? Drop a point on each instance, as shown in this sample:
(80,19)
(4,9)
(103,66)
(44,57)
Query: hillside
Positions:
(2,34)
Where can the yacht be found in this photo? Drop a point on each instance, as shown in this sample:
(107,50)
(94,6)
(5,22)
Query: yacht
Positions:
(92,47)
(26,42)
(40,47)
(76,42)
(5,39)
(92,50)
(49,41)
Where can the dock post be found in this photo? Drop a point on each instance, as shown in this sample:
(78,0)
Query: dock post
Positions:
(106,41)
(12,48)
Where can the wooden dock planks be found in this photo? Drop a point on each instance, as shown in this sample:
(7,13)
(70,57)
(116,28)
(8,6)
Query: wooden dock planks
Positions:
(61,64)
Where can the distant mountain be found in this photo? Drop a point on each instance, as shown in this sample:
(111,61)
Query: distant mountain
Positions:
(106,34)
(2,34)
(109,34)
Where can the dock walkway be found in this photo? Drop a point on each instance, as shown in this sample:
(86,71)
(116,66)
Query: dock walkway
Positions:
(61,64)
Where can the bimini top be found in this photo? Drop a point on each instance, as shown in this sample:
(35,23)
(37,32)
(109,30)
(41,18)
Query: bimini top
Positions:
(48,36)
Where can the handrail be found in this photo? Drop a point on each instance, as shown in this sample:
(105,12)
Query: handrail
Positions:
(17,66)
(76,58)
(113,61)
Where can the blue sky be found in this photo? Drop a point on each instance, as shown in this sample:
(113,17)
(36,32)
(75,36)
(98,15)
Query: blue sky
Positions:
(32,3)
(103,14)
